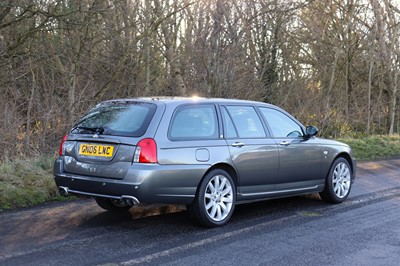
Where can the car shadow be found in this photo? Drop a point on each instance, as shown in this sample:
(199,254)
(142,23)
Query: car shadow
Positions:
(160,215)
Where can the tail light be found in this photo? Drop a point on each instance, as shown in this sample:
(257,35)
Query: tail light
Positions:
(146,151)
(62,145)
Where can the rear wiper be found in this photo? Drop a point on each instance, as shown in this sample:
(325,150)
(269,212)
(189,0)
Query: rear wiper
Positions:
(96,130)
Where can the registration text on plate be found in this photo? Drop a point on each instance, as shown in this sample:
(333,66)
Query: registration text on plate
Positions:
(96,150)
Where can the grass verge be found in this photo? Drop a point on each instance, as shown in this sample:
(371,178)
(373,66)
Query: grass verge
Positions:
(29,182)
(374,147)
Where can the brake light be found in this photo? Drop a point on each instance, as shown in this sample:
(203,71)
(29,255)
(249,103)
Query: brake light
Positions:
(62,144)
(146,151)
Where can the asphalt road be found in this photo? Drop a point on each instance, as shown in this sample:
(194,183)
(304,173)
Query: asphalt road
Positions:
(364,230)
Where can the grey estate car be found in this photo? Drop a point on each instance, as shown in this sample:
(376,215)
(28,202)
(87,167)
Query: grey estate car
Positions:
(209,154)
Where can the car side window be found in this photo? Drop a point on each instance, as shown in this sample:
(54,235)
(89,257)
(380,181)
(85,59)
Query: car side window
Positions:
(194,122)
(282,126)
(230,131)
(246,121)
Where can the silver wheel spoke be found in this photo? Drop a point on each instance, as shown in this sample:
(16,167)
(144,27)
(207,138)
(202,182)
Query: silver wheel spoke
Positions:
(341,191)
(341,169)
(346,172)
(344,190)
(226,191)
(213,210)
(219,214)
(222,185)
(336,172)
(337,189)
(227,199)
(211,187)
(223,207)
(209,205)
(216,184)
(335,186)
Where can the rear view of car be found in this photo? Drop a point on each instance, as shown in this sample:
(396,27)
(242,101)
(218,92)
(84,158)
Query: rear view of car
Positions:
(103,145)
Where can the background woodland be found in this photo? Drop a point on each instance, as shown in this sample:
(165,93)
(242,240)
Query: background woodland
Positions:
(334,64)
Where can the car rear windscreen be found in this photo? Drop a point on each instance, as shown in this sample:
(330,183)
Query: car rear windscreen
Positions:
(117,118)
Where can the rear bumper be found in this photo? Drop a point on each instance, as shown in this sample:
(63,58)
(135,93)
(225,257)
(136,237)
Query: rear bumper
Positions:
(66,191)
(147,183)
(87,186)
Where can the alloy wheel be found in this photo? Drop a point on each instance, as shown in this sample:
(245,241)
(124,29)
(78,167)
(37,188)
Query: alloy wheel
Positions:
(218,198)
(341,180)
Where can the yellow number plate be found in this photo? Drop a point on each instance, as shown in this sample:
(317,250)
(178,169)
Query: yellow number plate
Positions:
(96,150)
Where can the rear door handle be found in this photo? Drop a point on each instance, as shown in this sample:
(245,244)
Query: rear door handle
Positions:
(237,144)
(284,143)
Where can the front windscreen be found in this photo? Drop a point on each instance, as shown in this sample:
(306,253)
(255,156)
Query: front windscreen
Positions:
(116,118)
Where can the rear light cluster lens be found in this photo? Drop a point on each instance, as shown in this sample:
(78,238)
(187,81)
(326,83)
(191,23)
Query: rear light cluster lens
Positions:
(146,151)
(61,152)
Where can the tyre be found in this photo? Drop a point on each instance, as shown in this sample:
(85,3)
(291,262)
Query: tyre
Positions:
(114,206)
(215,199)
(338,182)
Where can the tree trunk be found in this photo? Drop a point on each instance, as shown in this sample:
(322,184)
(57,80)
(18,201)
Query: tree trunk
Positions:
(331,83)
(71,95)
(393,105)
(30,104)
(369,97)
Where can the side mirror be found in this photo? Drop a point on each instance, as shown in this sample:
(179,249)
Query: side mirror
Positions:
(311,131)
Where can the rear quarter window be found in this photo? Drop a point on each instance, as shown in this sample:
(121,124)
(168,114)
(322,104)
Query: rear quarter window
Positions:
(194,123)
(119,119)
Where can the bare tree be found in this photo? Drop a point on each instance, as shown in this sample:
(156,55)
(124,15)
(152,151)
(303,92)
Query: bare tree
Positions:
(333,63)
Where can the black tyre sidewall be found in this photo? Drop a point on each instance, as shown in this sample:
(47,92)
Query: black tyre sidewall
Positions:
(197,209)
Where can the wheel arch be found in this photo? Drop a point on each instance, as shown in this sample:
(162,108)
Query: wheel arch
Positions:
(348,159)
(224,166)
(330,193)
(197,209)
(228,168)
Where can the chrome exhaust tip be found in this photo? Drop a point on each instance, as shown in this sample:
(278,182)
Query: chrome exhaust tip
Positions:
(63,191)
(130,200)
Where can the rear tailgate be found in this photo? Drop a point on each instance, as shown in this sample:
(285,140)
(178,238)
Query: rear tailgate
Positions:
(103,142)
(107,157)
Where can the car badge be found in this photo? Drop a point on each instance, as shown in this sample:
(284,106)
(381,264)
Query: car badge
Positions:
(95,136)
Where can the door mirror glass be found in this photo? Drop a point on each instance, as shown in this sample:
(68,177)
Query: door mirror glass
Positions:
(311,131)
